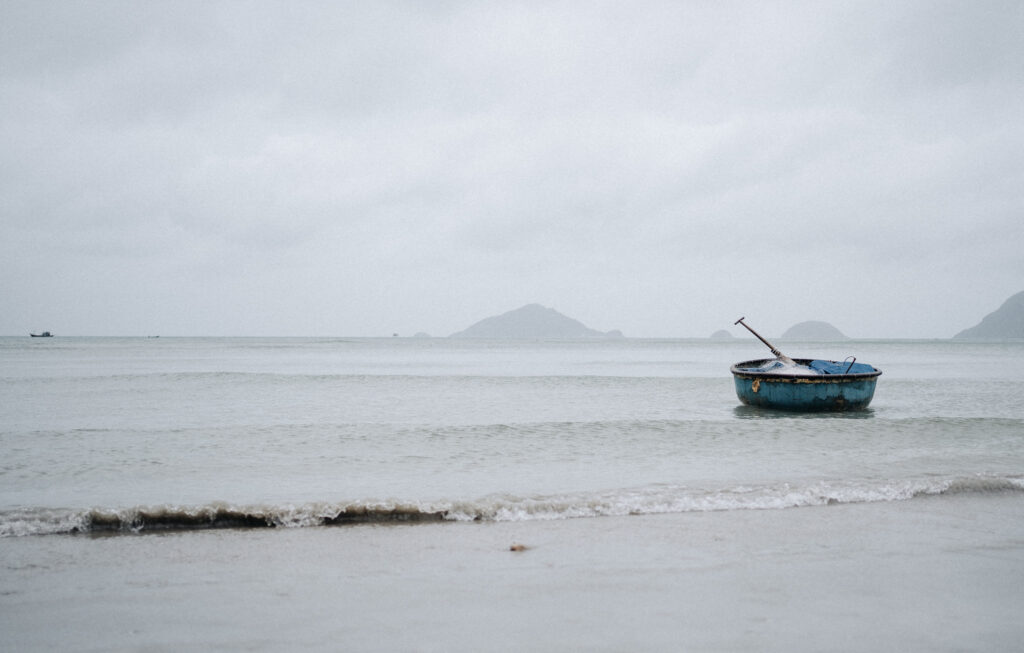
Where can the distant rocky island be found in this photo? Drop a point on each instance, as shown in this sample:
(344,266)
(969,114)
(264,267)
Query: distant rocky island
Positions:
(532,321)
(722,334)
(1006,322)
(813,330)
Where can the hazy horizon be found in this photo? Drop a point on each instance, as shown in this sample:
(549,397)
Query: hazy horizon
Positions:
(736,331)
(349,169)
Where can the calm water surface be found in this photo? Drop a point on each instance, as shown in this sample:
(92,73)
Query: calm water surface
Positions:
(297,429)
(660,514)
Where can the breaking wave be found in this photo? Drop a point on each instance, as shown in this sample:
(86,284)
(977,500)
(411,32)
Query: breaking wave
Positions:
(659,499)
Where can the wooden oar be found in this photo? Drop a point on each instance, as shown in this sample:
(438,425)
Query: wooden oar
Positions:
(778,354)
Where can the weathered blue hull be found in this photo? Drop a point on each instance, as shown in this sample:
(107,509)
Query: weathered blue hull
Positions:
(803,392)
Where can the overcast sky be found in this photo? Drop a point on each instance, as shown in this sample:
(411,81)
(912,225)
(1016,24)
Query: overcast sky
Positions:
(367,168)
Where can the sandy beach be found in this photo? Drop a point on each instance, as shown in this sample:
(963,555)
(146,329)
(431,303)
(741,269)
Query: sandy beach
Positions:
(930,574)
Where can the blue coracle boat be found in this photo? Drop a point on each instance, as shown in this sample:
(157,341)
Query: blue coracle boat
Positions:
(803,384)
(825,385)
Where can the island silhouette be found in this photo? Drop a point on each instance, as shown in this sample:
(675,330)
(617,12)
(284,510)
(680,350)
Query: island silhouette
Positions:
(532,321)
(813,330)
(1005,322)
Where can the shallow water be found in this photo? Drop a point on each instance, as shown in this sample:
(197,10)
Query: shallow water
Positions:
(627,445)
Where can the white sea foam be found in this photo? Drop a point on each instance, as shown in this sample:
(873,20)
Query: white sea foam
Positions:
(497,508)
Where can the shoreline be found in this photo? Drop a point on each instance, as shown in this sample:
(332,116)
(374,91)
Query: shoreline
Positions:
(937,573)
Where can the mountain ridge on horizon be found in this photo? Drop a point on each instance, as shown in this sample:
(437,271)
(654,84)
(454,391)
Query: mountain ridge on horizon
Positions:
(813,330)
(1007,321)
(532,321)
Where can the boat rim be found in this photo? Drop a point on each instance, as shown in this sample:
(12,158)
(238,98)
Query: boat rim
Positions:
(738,371)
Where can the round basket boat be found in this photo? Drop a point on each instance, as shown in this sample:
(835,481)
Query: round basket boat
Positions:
(824,386)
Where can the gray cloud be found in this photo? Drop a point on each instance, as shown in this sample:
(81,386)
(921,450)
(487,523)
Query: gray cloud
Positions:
(363,168)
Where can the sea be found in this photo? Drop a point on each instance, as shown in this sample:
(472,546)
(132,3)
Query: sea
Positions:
(436,494)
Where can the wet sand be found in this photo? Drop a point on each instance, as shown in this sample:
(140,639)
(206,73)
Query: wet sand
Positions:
(931,574)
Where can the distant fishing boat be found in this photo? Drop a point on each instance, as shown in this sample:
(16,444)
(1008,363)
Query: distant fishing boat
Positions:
(803,384)
(44,334)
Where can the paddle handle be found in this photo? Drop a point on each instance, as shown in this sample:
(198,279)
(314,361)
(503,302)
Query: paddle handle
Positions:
(775,351)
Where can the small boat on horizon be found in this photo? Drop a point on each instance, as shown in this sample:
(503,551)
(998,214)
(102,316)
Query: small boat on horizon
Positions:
(803,384)
(44,334)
